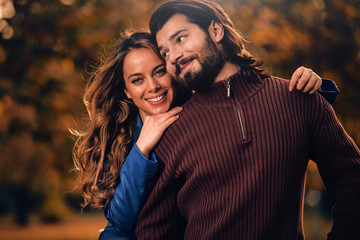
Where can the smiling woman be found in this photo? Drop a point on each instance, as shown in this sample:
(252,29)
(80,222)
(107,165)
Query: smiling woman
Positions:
(128,101)
(147,83)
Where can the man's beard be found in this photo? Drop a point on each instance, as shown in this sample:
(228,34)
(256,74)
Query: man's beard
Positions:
(211,61)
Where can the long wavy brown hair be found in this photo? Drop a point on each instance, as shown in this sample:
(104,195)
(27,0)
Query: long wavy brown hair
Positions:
(101,149)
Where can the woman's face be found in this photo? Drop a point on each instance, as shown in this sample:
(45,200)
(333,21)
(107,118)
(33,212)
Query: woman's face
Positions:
(147,82)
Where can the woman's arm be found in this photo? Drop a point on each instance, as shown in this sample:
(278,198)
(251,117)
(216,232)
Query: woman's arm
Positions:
(329,90)
(132,191)
(306,80)
(137,172)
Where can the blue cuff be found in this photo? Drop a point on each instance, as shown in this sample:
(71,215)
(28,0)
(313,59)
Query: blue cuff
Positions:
(135,152)
(329,90)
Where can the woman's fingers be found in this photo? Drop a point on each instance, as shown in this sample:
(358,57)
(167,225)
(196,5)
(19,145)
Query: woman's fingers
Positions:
(295,77)
(317,85)
(153,128)
(169,121)
(306,80)
(171,112)
(163,118)
(310,84)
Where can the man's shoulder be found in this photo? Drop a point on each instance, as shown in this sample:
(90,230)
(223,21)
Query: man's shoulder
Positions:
(184,125)
(276,91)
(281,87)
(277,82)
(175,137)
(190,108)
(276,87)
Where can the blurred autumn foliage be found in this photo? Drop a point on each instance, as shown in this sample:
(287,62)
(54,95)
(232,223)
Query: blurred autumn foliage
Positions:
(45,48)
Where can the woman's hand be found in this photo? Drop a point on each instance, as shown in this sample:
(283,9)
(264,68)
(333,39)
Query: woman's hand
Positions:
(306,80)
(153,128)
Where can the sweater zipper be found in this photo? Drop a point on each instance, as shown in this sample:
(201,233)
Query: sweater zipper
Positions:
(228,94)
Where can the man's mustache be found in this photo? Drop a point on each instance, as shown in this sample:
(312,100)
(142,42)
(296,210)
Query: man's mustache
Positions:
(182,62)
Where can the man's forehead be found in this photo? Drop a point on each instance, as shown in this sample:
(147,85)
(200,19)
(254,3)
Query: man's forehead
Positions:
(171,28)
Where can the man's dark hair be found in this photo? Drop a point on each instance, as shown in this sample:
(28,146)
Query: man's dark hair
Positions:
(202,13)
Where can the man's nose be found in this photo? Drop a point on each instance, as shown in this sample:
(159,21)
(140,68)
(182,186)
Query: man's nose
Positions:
(174,55)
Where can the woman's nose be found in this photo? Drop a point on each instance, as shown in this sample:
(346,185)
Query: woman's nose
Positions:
(153,84)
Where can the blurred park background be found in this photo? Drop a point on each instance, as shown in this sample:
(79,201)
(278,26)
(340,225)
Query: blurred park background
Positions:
(45,47)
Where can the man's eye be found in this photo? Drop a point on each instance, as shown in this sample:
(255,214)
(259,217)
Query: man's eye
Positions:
(180,38)
(165,54)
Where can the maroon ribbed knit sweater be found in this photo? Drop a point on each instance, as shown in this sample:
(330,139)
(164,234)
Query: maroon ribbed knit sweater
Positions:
(234,167)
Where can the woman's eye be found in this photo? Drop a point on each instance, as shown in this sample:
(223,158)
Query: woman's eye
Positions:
(161,72)
(136,81)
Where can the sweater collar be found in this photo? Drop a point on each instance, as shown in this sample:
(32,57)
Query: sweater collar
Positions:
(242,88)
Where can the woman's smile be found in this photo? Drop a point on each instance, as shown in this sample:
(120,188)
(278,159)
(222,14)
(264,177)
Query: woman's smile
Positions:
(158,99)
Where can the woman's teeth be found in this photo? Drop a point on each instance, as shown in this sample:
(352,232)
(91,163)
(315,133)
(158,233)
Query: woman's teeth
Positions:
(156,99)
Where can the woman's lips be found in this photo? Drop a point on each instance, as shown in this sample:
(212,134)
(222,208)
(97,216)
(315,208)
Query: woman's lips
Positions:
(157,99)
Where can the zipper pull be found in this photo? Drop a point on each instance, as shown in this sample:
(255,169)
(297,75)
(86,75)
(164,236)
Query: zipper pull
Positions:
(228,88)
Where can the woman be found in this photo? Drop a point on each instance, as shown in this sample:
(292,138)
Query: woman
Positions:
(131,87)
(128,101)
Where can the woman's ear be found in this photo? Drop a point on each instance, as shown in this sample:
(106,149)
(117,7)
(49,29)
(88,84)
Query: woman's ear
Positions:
(127,93)
(216,31)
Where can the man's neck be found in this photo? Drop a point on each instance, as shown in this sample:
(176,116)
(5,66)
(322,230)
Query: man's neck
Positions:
(228,70)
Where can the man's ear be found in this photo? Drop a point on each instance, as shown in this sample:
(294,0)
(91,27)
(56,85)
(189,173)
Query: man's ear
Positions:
(216,31)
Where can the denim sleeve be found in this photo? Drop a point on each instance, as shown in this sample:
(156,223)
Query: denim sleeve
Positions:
(132,192)
(329,90)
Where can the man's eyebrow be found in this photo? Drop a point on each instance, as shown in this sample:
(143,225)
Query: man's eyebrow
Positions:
(172,37)
(175,34)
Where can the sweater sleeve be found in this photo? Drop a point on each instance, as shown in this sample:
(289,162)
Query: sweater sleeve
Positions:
(131,193)
(329,90)
(159,218)
(338,160)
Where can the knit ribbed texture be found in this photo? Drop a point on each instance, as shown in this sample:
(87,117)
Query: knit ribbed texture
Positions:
(234,167)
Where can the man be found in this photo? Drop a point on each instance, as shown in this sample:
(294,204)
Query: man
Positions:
(235,161)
